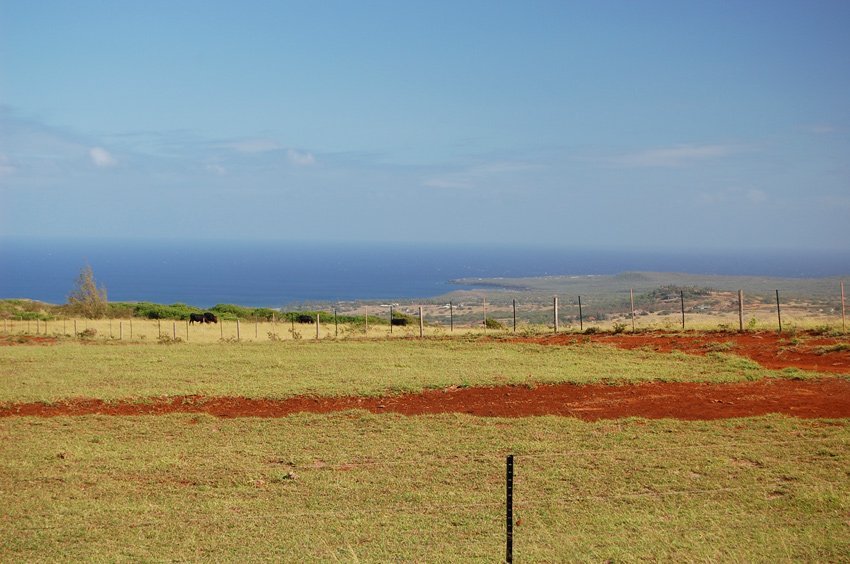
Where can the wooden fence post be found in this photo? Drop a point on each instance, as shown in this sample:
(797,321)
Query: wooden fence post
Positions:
(131,328)
(514,316)
(120,330)
(174,330)
(580,316)
(336,325)
(555,312)
(740,310)
(421,324)
(238,336)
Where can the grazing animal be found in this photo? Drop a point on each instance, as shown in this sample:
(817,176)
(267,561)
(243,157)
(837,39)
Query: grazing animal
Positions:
(210,318)
(196,318)
(304,318)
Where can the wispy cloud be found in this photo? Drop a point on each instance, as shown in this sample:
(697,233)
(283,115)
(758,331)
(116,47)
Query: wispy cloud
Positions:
(724,196)
(676,156)
(101,158)
(473,176)
(256,145)
(216,169)
(300,158)
(6,167)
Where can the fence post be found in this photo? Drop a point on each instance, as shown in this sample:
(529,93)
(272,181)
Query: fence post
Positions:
(843,323)
(256,329)
(555,312)
(632,299)
(740,310)
(580,316)
(158,328)
(336,325)
(187,330)
(121,331)
(514,316)
(485,313)
(237,329)
(421,324)
(318,316)
(221,328)
(451,316)
(682,295)
(174,330)
(509,509)
(110,328)
(778,314)
(131,328)
(366,309)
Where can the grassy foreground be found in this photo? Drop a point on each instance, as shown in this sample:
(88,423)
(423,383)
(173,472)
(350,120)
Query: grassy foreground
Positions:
(351,367)
(362,487)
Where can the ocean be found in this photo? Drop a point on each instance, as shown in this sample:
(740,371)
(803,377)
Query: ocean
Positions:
(275,274)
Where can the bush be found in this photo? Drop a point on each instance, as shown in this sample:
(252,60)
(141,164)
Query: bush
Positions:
(491,323)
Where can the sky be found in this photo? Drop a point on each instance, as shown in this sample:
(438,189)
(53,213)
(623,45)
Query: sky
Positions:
(680,124)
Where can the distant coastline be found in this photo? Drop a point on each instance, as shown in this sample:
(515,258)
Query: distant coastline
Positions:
(277,274)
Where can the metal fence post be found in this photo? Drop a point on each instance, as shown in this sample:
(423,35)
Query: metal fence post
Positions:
(509,509)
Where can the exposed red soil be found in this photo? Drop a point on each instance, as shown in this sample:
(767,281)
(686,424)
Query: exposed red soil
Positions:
(12,340)
(771,350)
(819,398)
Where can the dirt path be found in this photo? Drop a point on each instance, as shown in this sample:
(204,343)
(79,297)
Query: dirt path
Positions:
(770,349)
(821,398)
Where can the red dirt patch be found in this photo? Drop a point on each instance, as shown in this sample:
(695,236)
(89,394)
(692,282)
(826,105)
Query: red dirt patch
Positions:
(771,350)
(821,398)
(13,340)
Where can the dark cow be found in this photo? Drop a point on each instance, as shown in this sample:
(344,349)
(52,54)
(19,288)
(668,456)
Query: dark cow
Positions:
(196,318)
(210,318)
(304,318)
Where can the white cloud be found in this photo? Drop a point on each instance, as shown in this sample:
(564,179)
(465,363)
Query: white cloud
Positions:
(6,167)
(299,158)
(756,196)
(216,169)
(679,155)
(474,175)
(101,157)
(257,145)
(821,128)
(733,195)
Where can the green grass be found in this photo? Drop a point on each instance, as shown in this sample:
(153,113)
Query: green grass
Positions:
(362,487)
(332,368)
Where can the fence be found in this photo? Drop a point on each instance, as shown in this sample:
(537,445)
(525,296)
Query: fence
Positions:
(658,309)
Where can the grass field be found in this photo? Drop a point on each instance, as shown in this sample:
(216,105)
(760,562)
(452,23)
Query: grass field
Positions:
(354,486)
(353,367)
(360,487)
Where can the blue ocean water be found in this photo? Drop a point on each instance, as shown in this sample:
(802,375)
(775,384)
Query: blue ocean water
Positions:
(276,274)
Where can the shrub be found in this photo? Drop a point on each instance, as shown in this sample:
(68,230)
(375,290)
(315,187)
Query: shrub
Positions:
(491,323)
(86,298)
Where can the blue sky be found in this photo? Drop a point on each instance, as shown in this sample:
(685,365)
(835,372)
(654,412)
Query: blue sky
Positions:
(616,124)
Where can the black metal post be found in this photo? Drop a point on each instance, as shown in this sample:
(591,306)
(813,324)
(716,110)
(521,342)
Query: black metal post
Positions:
(778,314)
(514,316)
(682,294)
(451,316)
(509,514)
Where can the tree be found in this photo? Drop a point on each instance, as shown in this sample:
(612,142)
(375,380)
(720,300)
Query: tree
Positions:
(86,298)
